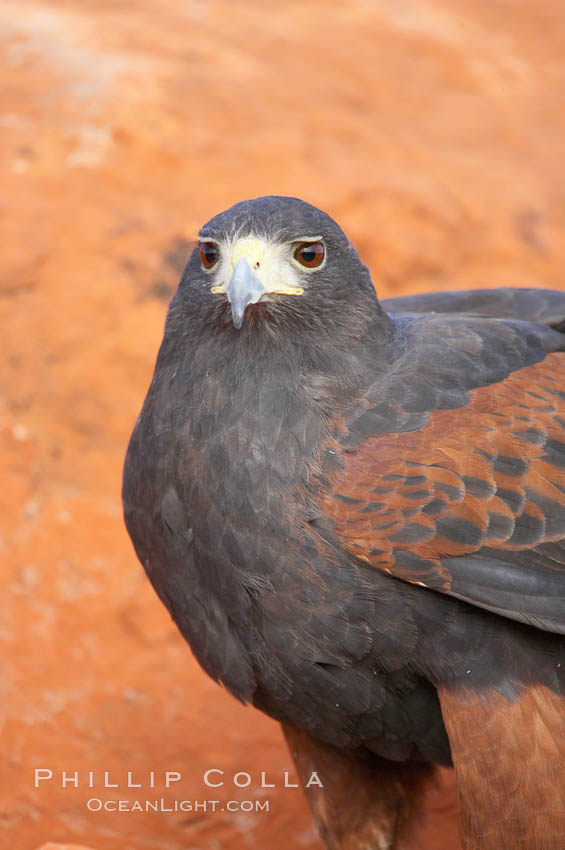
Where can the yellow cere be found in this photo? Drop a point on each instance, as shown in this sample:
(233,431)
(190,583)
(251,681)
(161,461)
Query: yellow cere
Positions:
(268,261)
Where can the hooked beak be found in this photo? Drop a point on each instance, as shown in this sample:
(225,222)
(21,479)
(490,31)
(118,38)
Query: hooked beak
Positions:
(243,289)
(247,286)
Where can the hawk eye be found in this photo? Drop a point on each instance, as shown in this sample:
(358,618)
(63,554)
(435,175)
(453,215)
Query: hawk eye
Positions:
(209,254)
(310,254)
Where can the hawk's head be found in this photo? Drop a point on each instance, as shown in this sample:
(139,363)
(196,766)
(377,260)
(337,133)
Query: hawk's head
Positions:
(271,258)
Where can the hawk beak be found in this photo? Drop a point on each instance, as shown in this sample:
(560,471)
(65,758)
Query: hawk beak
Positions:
(243,289)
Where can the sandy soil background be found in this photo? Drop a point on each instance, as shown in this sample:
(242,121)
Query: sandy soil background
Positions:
(433,131)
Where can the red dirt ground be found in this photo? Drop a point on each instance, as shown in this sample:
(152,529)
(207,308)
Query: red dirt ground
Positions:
(433,131)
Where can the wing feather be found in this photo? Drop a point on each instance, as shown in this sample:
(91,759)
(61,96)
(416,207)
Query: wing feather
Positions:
(467,502)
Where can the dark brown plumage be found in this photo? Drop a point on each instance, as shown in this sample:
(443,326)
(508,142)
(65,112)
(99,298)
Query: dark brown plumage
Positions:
(300,450)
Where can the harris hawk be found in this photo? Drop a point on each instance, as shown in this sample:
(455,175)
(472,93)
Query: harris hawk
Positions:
(355,514)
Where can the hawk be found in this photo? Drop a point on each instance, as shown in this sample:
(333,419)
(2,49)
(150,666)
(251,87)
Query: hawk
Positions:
(355,514)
